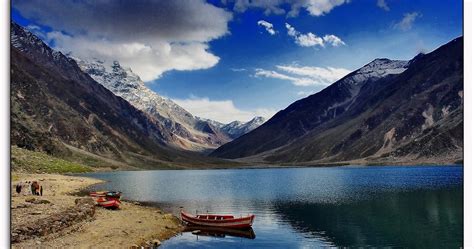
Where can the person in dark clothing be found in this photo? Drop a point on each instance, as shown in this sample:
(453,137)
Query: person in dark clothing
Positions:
(41,190)
(18,188)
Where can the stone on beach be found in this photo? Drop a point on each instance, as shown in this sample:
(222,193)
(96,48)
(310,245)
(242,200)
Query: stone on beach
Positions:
(83,210)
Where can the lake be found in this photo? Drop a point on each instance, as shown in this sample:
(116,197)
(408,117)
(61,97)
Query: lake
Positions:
(414,207)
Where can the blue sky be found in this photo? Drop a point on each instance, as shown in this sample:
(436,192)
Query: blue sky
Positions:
(217,62)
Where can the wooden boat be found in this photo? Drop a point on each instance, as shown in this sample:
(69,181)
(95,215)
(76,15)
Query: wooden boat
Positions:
(112,194)
(111,203)
(220,231)
(107,199)
(214,220)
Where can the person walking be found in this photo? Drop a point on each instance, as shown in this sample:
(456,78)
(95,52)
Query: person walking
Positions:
(41,190)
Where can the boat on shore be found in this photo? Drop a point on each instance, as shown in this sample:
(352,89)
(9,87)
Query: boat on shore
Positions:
(107,199)
(215,220)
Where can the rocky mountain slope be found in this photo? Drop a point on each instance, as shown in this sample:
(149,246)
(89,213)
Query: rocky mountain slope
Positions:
(387,111)
(191,133)
(236,129)
(57,108)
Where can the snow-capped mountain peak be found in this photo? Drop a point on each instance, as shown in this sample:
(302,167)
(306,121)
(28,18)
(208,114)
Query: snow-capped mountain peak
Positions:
(379,68)
(372,71)
(236,128)
(191,133)
(194,132)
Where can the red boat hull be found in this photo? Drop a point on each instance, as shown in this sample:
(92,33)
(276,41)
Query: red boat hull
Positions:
(107,199)
(108,203)
(210,220)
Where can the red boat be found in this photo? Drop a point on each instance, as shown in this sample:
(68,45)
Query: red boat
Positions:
(214,220)
(107,199)
(108,203)
(111,194)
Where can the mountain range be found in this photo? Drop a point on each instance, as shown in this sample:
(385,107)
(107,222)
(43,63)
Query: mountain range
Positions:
(236,129)
(388,112)
(59,109)
(192,133)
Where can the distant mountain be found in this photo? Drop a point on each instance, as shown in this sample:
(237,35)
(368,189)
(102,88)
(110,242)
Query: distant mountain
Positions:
(236,129)
(385,112)
(191,133)
(57,108)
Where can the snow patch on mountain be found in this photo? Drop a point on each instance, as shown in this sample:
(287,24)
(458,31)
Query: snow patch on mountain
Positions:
(192,133)
(236,129)
(377,69)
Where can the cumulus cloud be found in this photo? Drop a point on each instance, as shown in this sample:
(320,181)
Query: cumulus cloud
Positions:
(157,40)
(383,5)
(333,40)
(223,111)
(304,76)
(268,26)
(407,22)
(313,7)
(310,39)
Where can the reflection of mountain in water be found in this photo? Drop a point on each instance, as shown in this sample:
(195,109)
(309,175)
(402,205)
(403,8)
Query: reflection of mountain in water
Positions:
(420,219)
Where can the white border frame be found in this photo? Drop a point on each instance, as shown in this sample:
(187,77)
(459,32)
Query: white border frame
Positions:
(468,125)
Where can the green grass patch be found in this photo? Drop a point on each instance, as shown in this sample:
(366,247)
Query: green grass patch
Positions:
(15,177)
(38,162)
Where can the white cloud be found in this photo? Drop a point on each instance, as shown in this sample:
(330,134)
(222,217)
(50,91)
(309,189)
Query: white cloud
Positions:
(313,7)
(149,62)
(276,75)
(310,39)
(407,22)
(333,40)
(304,76)
(156,41)
(223,111)
(32,27)
(268,26)
(383,5)
(304,93)
(291,30)
(322,74)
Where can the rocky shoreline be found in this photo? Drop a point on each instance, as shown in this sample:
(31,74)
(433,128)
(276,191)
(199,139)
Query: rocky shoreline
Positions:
(60,219)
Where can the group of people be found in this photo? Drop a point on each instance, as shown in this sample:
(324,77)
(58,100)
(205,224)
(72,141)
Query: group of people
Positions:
(29,187)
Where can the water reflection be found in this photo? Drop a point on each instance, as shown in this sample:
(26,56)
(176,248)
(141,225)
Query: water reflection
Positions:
(419,219)
(311,207)
(220,232)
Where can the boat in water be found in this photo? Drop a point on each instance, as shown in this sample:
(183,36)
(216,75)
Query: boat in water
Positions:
(107,199)
(215,220)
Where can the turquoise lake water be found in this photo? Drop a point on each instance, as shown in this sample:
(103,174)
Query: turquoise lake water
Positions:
(410,207)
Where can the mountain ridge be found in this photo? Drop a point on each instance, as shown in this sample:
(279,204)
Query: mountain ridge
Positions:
(55,106)
(372,122)
(191,133)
